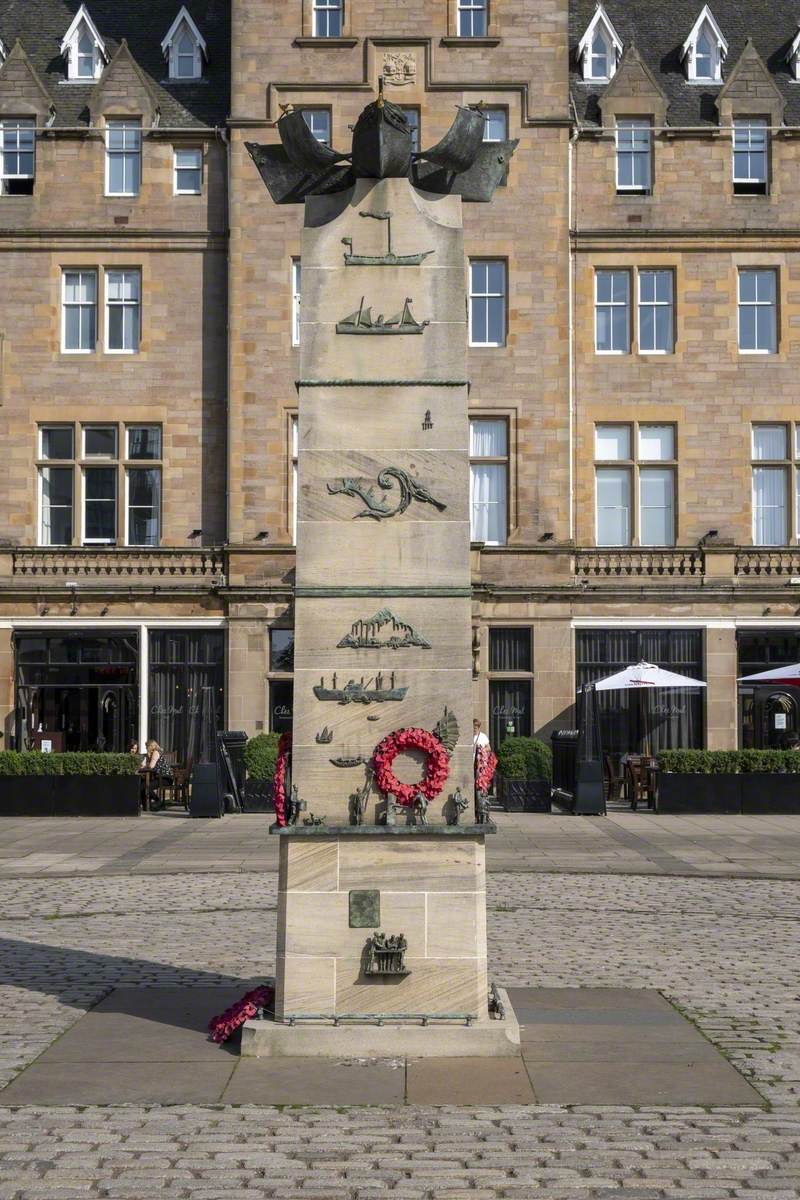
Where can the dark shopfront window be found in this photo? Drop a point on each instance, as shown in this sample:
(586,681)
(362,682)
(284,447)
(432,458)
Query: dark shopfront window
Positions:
(187,681)
(510,708)
(80,691)
(768,713)
(675,718)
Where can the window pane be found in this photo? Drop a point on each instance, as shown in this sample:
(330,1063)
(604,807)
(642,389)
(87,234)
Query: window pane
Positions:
(144,441)
(489,504)
(769,506)
(613,507)
(318,121)
(488,439)
(657,443)
(612,442)
(281,649)
(72,328)
(131,327)
(100,483)
(57,442)
(510,650)
(769,442)
(747,328)
(100,440)
(656,507)
(57,485)
(495,127)
(116,174)
(509,709)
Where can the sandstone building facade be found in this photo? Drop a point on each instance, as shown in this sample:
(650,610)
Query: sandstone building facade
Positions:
(633,315)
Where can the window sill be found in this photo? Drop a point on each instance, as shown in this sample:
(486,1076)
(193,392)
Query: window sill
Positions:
(78,352)
(325,43)
(470,41)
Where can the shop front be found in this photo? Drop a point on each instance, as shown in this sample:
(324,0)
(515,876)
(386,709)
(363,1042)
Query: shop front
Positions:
(101,690)
(769,714)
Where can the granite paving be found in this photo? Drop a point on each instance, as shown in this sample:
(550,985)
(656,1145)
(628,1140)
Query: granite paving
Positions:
(724,950)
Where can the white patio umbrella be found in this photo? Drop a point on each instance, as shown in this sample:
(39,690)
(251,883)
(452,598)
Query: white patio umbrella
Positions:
(644,676)
(788,674)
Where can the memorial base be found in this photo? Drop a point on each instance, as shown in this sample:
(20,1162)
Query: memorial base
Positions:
(392,1039)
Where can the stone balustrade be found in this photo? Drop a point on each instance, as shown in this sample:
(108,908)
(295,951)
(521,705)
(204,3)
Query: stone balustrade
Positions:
(760,562)
(110,566)
(629,562)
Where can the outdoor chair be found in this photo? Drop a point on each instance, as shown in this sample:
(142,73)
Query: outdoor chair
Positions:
(637,780)
(614,779)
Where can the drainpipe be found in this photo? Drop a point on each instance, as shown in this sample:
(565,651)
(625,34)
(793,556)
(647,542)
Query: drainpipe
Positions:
(572,174)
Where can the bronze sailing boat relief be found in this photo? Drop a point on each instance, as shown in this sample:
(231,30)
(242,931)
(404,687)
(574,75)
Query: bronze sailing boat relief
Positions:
(389,259)
(362,321)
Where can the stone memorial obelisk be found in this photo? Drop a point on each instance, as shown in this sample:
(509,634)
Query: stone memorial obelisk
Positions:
(382,905)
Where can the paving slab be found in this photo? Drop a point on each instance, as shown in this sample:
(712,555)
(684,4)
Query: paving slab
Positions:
(147,1025)
(468,1081)
(623,1082)
(317,1081)
(48,1083)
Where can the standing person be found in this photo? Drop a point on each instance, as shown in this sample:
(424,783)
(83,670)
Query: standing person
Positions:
(479,739)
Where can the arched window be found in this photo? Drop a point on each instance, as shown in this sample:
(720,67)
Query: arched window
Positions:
(704,56)
(600,54)
(185,56)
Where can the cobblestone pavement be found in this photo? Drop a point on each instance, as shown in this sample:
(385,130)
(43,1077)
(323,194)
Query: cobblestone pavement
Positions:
(622,843)
(725,950)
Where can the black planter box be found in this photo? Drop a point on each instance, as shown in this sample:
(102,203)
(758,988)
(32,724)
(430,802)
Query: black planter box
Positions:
(524,795)
(258,796)
(699,793)
(69,795)
(768,793)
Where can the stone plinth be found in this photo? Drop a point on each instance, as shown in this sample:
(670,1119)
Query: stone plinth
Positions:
(431,888)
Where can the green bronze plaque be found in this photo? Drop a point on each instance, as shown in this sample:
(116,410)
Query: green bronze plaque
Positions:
(365,910)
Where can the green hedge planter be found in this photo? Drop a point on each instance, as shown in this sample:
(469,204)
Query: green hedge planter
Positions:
(68,785)
(729,781)
(524,771)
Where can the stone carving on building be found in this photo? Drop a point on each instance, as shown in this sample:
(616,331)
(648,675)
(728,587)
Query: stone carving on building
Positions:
(366,634)
(360,693)
(389,259)
(399,67)
(357,760)
(325,737)
(446,730)
(377,507)
(362,321)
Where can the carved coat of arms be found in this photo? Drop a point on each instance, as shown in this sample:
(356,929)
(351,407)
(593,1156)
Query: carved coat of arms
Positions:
(399,68)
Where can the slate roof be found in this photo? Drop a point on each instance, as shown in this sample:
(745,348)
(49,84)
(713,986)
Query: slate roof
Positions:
(41,24)
(660,27)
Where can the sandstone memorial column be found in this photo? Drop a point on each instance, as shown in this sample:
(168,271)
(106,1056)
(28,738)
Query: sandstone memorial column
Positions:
(382,908)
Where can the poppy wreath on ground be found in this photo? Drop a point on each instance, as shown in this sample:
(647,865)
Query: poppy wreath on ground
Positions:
(222,1027)
(279,779)
(485,767)
(437,767)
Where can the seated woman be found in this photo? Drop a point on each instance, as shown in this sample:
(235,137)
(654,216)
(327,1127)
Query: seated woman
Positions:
(157,766)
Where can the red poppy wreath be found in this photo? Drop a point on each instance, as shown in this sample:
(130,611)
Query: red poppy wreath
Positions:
(437,766)
(279,783)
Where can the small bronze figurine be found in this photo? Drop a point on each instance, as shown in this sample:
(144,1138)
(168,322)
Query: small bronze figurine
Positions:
(482,808)
(420,809)
(295,806)
(457,807)
(359,801)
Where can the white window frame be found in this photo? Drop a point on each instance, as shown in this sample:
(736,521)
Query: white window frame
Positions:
(109,303)
(296,283)
(322,12)
(319,112)
(294,449)
(99,458)
(705,25)
(751,137)
(59,465)
(489,295)
(503,460)
(83,23)
(655,305)
(473,11)
(612,304)
(599,24)
(177,170)
(107,464)
(184,24)
(129,429)
(629,127)
(19,127)
(142,465)
(634,467)
(757,304)
(127,126)
(497,111)
(80,304)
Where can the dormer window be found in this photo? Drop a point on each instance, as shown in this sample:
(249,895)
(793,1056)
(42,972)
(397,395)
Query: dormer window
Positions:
(185,48)
(704,50)
(793,57)
(600,48)
(84,49)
